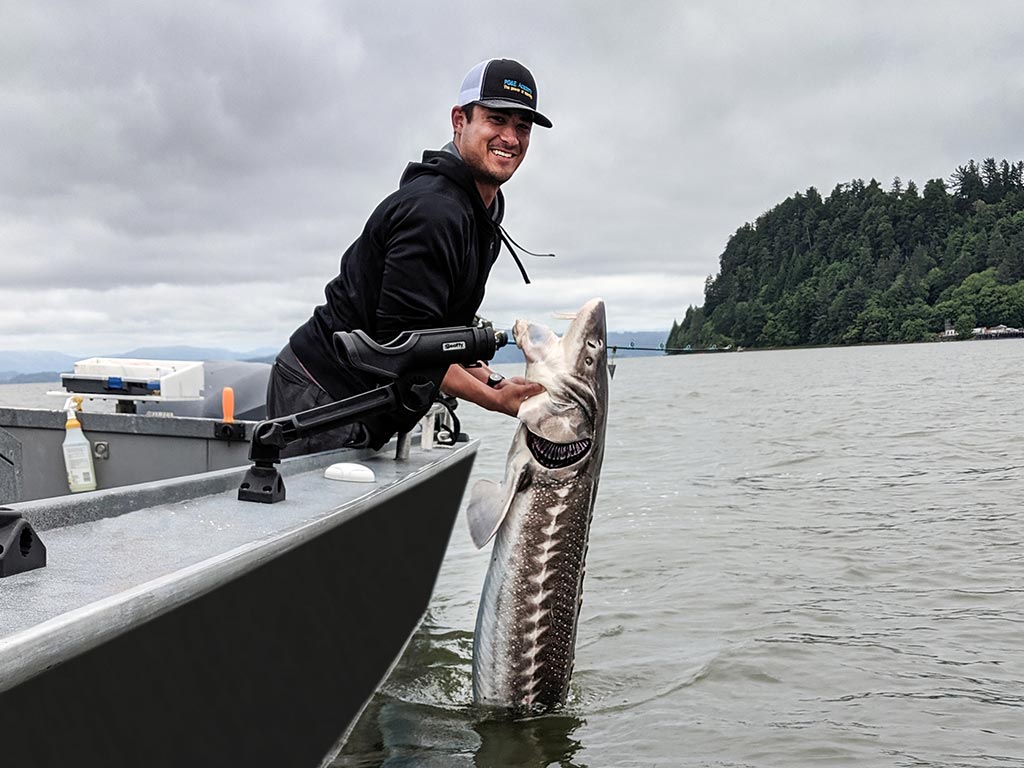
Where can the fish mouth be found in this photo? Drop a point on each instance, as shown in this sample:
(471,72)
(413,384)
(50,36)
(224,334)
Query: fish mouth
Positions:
(556,455)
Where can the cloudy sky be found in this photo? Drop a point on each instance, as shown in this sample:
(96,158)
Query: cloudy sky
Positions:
(190,172)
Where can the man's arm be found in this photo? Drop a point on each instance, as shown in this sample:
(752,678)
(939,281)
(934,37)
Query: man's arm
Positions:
(469,384)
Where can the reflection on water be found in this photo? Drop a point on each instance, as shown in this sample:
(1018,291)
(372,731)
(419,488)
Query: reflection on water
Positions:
(424,717)
(545,740)
(394,733)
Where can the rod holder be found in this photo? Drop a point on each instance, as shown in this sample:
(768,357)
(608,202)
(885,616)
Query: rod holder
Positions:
(20,547)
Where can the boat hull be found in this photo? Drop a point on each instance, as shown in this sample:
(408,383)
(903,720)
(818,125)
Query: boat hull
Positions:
(261,655)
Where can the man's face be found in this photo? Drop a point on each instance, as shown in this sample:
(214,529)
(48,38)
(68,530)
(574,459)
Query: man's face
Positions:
(493,143)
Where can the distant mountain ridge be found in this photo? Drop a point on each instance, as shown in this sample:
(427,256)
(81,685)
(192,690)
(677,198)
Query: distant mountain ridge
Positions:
(30,366)
(625,344)
(22,366)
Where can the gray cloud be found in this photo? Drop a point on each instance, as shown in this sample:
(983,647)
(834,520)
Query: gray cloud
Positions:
(192,172)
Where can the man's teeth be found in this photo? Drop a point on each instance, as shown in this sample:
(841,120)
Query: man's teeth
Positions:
(501,153)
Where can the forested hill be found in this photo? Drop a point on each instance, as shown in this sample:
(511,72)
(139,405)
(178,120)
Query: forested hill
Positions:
(867,264)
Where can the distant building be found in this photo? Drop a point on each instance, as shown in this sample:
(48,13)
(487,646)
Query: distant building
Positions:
(985,332)
(996,332)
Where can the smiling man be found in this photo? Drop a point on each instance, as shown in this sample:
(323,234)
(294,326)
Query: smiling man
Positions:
(422,261)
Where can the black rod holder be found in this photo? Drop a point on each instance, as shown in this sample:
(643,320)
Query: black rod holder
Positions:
(412,364)
(20,547)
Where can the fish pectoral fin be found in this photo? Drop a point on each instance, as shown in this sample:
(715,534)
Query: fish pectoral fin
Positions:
(489,502)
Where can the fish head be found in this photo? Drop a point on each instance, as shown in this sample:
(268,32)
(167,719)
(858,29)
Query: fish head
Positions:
(561,431)
(566,420)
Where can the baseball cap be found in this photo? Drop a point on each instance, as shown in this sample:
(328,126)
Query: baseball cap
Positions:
(502,84)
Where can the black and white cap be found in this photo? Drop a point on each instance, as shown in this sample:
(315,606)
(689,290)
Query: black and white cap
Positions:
(502,84)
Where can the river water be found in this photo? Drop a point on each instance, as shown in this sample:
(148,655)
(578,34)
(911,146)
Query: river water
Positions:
(798,558)
(808,557)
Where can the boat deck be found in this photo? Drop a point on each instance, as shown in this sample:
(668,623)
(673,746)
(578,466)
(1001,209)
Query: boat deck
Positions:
(106,559)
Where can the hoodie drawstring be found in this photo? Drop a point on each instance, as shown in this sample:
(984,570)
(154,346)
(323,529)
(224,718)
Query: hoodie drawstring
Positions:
(506,238)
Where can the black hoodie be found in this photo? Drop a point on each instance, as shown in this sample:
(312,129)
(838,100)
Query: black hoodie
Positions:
(422,261)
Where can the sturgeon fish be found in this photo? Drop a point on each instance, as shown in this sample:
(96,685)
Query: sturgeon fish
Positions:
(525,638)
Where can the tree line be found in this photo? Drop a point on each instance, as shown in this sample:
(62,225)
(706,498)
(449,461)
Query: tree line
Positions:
(866,264)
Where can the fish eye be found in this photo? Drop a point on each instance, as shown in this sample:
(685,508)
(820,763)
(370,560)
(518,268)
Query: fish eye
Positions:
(590,361)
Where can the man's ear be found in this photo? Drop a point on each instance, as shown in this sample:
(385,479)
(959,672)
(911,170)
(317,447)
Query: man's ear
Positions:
(458,119)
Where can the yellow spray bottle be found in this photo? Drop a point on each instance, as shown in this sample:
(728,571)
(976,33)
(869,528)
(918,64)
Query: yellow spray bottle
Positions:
(78,452)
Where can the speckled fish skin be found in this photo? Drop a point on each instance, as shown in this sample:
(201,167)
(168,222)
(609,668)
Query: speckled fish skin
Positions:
(525,640)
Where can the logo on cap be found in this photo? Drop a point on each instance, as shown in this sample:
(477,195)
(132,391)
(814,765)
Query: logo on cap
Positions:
(520,88)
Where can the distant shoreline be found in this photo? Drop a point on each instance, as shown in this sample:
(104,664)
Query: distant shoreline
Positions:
(41,377)
(878,344)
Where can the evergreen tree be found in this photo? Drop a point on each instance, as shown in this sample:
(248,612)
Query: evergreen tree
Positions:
(968,186)
(993,179)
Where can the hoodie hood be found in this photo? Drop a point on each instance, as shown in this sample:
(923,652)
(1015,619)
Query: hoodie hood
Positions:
(447,162)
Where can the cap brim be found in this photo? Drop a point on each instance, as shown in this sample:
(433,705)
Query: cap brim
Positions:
(538,118)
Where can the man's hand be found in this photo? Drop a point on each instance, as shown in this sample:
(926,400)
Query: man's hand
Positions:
(513,392)
(505,397)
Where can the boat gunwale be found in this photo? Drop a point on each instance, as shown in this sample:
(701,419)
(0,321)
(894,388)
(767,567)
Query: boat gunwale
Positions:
(116,423)
(74,509)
